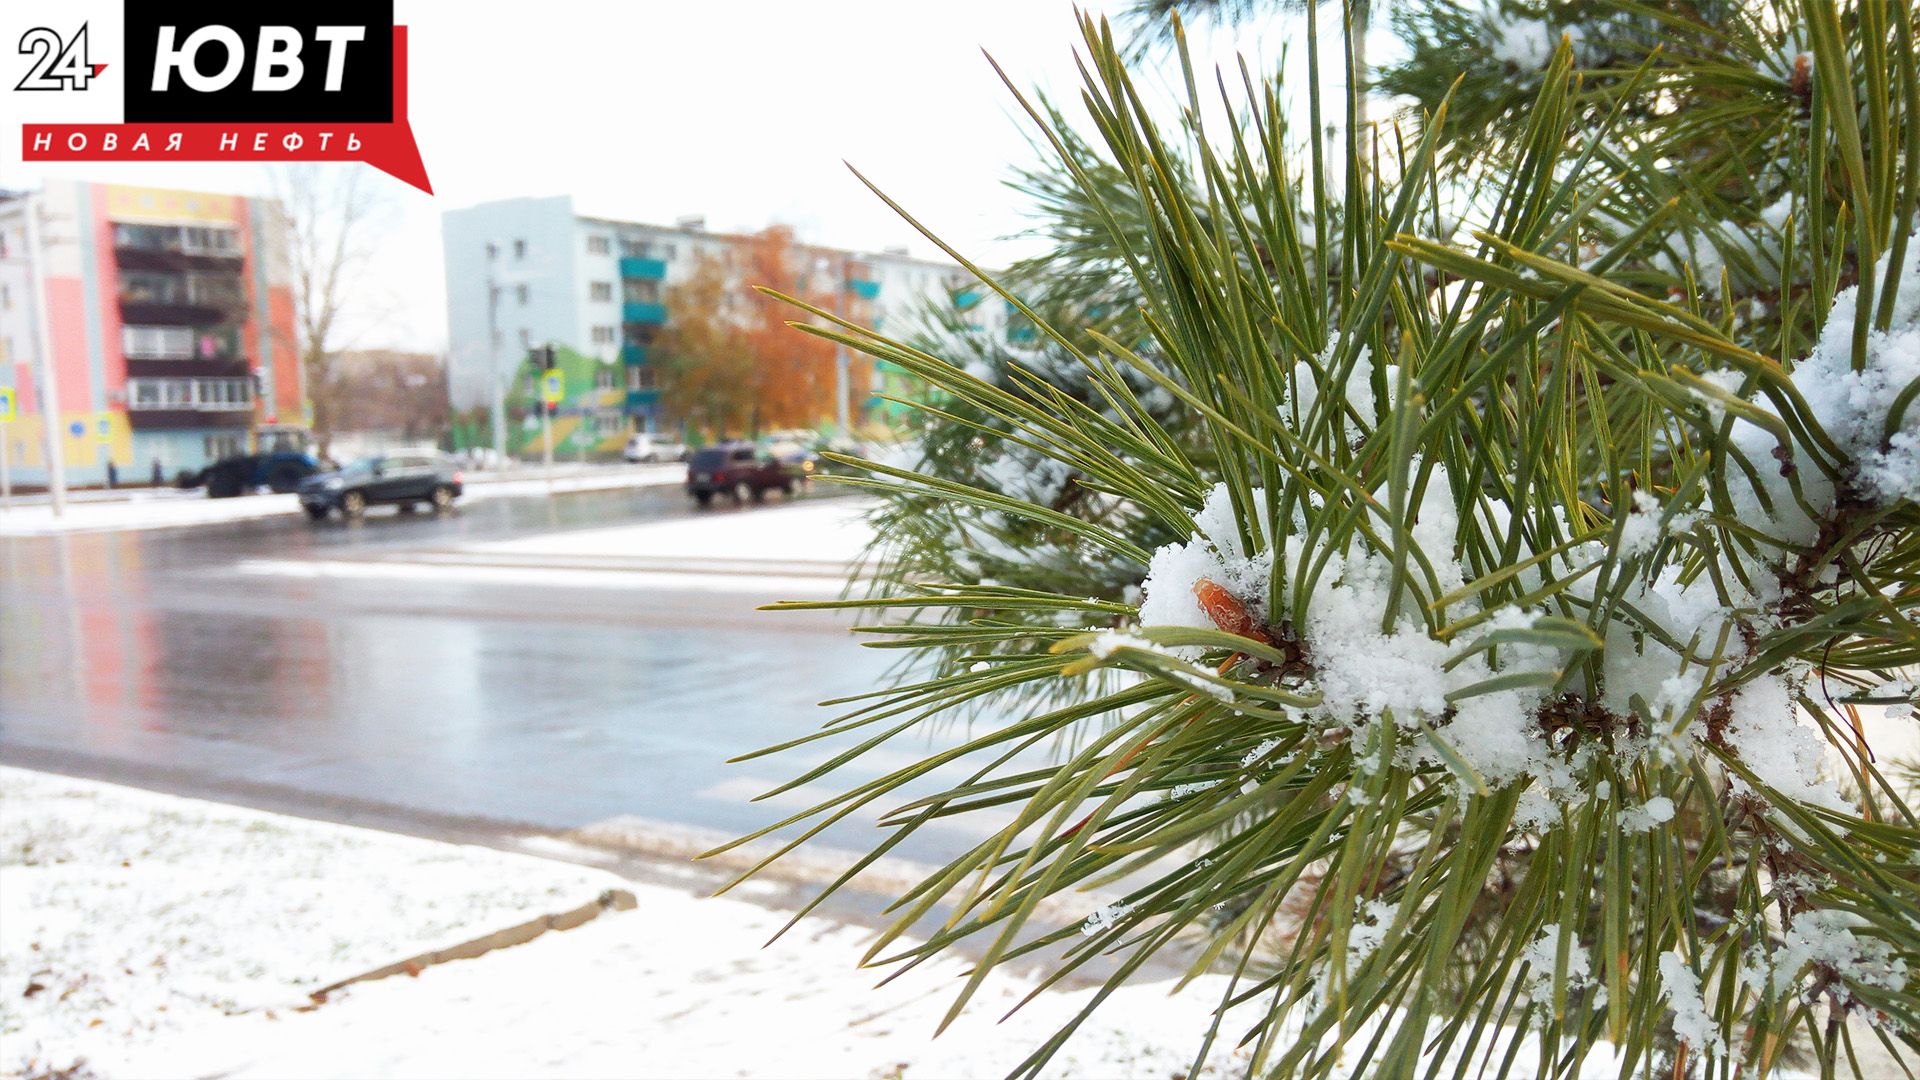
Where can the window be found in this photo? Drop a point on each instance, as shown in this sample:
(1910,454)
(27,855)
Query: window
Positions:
(216,395)
(186,239)
(601,291)
(526,338)
(6,297)
(639,376)
(598,245)
(198,289)
(493,251)
(221,446)
(603,377)
(669,252)
(223,395)
(637,249)
(157,342)
(521,293)
(207,240)
(641,290)
(603,335)
(519,249)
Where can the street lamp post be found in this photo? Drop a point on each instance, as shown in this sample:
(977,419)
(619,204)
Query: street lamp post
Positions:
(47,377)
(499,405)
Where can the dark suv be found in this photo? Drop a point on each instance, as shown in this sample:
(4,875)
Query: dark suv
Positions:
(404,477)
(280,470)
(737,470)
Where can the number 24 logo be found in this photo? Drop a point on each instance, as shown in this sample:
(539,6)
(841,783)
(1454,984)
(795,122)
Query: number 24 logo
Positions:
(57,65)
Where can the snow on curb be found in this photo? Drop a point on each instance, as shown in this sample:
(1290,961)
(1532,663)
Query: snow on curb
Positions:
(138,915)
(169,510)
(154,512)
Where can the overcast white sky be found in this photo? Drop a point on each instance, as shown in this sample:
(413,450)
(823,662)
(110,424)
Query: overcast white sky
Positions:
(740,111)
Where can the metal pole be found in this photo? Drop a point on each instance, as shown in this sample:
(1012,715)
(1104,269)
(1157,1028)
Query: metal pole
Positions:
(840,372)
(499,406)
(50,422)
(546,441)
(6,474)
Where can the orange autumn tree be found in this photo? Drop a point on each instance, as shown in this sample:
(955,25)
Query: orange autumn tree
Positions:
(793,373)
(729,363)
(705,366)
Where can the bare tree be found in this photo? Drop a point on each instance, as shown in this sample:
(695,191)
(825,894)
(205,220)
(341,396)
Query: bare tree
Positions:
(333,215)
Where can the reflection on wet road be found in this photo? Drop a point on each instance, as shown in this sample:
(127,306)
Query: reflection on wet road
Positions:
(510,701)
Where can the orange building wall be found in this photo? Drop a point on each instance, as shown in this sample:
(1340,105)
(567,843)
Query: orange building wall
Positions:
(288,396)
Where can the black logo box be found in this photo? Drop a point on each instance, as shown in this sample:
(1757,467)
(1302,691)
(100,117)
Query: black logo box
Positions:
(366,84)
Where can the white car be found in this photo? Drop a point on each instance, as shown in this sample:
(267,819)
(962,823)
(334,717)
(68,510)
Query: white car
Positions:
(484,458)
(644,447)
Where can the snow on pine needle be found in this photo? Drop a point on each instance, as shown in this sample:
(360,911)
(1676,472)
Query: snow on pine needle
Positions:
(1443,636)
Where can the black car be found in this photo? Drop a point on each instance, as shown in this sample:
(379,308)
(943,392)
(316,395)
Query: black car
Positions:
(403,477)
(737,470)
(280,470)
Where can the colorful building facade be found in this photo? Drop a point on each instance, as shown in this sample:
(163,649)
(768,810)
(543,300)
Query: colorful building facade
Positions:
(169,316)
(528,272)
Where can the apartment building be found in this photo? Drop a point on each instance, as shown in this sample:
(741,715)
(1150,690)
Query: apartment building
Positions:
(525,272)
(169,320)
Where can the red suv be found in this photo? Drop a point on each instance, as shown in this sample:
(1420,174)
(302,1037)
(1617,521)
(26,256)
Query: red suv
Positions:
(737,470)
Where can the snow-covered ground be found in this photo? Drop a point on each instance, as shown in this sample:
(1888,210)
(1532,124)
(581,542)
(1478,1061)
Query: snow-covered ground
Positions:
(798,551)
(587,478)
(768,587)
(159,509)
(167,508)
(173,937)
(832,532)
(127,917)
(157,936)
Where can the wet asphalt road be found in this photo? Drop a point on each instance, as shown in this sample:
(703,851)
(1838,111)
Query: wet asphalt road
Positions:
(146,657)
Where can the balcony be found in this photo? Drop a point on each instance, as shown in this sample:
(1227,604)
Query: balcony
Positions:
(634,266)
(864,289)
(189,402)
(172,247)
(179,351)
(188,299)
(633,354)
(644,312)
(642,401)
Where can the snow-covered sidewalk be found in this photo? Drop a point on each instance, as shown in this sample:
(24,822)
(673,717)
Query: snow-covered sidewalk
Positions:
(128,918)
(167,508)
(173,937)
(160,508)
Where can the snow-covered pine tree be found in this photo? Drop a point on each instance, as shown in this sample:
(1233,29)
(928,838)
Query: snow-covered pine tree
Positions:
(1542,497)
